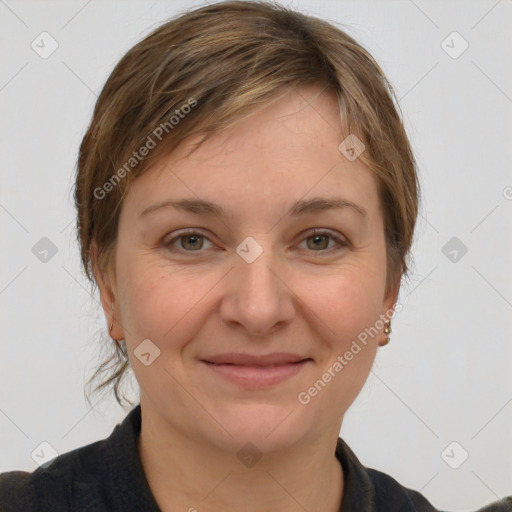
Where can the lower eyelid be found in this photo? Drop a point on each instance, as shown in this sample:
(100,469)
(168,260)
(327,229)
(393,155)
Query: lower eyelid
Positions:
(176,238)
(341,243)
(338,240)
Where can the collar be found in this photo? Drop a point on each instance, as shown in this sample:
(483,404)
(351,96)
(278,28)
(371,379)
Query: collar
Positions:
(130,489)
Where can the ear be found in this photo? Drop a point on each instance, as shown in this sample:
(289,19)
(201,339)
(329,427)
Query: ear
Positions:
(108,295)
(390,299)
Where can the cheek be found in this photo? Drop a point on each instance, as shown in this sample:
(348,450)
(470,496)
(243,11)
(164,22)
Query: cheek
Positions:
(347,315)
(352,316)
(347,306)
(157,300)
(158,304)
(142,304)
(347,300)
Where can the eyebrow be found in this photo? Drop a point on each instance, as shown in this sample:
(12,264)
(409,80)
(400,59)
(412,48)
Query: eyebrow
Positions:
(301,207)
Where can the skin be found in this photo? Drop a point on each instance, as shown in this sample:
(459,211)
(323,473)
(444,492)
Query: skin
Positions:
(197,297)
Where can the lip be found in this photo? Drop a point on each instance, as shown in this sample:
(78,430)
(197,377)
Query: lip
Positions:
(273,359)
(256,372)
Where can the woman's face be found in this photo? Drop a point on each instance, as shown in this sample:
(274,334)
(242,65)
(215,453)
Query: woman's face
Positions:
(234,288)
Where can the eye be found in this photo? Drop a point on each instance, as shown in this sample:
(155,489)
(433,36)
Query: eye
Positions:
(193,241)
(318,241)
(190,241)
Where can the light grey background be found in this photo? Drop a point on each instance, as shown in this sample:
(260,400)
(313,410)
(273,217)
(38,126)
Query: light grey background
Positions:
(446,376)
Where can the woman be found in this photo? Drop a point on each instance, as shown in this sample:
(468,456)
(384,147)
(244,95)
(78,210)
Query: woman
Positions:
(246,200)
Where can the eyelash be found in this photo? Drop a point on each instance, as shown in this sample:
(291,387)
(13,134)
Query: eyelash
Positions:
(316,232)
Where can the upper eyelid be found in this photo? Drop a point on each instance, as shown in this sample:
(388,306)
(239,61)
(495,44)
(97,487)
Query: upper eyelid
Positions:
(340,239)
(186,232)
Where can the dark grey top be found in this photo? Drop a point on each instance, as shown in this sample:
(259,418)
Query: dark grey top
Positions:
(108,476)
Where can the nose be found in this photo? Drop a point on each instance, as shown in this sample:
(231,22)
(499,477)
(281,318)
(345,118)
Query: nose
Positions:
(258,298)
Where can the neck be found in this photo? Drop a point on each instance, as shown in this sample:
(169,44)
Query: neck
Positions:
(185,474)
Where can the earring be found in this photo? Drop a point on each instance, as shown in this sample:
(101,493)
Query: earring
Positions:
(387,330)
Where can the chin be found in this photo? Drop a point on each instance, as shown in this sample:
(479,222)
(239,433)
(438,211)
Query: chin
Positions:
(268,427)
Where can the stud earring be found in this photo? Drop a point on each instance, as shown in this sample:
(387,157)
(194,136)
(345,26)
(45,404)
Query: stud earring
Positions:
(387,330)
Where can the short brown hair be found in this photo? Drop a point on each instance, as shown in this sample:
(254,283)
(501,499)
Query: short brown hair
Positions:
(219,64)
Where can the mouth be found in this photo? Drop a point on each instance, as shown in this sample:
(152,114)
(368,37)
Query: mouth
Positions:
(256,372)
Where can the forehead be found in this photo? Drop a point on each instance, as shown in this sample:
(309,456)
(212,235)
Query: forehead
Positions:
(307,115)
(283,152)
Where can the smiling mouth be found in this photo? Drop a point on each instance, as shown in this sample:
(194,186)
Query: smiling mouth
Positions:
(257,376)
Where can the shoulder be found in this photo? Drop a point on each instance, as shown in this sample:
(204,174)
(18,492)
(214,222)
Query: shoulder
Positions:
(12,491)
(503,505)
(387,490)
(369,490)
(53,486)
(102,476)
